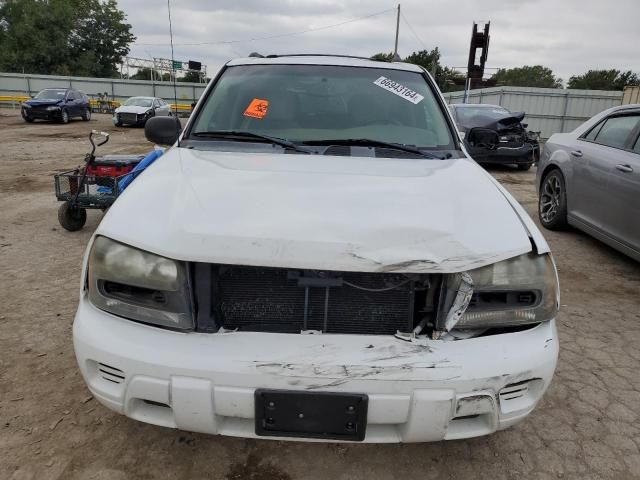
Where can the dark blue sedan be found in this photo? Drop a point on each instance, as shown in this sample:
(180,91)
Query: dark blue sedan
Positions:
(57,104)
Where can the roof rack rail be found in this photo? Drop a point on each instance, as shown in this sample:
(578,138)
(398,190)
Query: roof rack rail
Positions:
(315,55)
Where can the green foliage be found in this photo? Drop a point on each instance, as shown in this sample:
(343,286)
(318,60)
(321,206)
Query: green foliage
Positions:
(430,60)
(527,76)
(383,57)
(144,73)
(604,80)
(193,77)
(65,37)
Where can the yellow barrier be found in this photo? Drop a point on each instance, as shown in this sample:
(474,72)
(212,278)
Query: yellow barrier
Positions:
(13,99)
(181,107)
(95,103)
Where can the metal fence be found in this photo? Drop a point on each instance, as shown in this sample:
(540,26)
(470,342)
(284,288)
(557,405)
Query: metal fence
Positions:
(16,84)
(548,110)
(631,94)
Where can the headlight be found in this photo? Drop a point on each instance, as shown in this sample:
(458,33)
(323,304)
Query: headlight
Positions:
(52,108)
(518,291)
(139,285)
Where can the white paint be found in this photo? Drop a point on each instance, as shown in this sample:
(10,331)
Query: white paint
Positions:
(327,60)
(328,213)
(412,389)
(138,110)
(396,88)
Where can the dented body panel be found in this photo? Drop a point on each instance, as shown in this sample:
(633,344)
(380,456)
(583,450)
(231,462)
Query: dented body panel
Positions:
(418,391)
(329,213)
(332,222)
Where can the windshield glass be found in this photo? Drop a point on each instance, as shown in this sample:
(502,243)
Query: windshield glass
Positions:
(51,94)
(467,113)
(320,102)
(139,102)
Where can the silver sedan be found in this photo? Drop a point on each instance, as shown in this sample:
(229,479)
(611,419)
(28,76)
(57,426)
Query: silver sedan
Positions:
(137,110)
(590,179)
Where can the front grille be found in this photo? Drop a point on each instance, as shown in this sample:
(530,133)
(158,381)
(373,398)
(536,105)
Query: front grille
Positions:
(281,300)
(128,117)
(40,112)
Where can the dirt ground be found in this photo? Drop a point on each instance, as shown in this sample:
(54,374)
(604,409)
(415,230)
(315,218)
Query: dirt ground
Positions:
(587,426)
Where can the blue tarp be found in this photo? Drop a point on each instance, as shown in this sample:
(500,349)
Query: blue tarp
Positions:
(144,163)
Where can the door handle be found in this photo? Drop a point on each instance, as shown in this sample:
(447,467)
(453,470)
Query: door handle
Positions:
(576,153)
(624,168)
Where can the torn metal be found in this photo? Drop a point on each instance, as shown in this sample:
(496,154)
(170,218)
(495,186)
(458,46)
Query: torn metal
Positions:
(463,296)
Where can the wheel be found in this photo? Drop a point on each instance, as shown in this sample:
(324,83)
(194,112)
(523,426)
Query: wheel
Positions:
(86,116)
(524,166)
(71,218)
(552,202)
(28,119)
(64,116)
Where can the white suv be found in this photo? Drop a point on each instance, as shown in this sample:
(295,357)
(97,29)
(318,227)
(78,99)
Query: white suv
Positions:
(317,257)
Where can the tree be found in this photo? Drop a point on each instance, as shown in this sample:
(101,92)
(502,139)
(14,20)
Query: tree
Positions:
(68,37)
(382,57)
(604,80)
(100,40)
(194,77)
(430,60)
(144,73)
(527,76)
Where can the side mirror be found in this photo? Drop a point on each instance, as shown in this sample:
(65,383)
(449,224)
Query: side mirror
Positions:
(162,130)
(482,138)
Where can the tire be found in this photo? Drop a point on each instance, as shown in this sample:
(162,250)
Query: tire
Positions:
(71,218)
(86,116)
(64,116)
(552,201)
(28,119)
(524,166)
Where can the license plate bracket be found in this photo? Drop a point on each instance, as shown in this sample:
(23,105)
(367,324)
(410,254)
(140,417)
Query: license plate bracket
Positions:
(324,415)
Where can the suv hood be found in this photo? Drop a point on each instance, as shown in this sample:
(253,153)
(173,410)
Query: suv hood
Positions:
(318,212)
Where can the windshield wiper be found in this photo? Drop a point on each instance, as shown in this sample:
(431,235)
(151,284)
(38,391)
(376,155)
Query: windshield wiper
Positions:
(367,142)
(230,134)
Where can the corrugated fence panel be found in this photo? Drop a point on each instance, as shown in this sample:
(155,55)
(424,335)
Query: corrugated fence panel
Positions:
(15,84)
(548,110)
(631,95)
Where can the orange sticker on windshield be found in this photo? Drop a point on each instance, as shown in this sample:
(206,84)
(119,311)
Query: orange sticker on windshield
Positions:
(257,108)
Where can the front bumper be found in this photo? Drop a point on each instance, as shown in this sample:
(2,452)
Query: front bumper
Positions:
(505,155)
(422,391)
(129,118)
(41,114)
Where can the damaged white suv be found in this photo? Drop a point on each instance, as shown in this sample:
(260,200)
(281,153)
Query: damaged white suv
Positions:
(317,257)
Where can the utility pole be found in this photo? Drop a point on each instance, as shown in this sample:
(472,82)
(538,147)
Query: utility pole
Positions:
(396,58)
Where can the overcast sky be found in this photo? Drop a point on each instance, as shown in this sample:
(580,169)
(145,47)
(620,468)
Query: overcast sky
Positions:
(569,36)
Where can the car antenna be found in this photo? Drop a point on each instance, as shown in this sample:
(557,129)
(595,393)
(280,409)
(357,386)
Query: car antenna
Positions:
(173,69)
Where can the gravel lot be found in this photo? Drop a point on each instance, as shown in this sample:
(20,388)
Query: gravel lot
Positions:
(587,426)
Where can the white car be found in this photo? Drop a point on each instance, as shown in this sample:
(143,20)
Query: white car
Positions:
(317,257)
(137,110)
